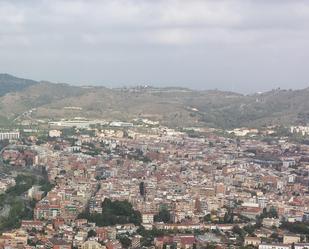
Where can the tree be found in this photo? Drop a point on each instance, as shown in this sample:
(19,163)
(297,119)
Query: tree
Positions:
(114,212)
(91,233)
(207,217)
(228,216)
(240,232)
(125,241)
(142,188)
(273,213)
(297,227)
(249,229)
(211,246)
(57,147)
(163,215)
(274,236)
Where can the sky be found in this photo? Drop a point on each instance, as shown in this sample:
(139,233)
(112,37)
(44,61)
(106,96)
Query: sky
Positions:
(238,45)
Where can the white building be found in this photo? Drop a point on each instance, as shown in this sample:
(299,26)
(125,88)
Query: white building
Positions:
(270,222)
(120,124)
(301,246)
(54,133)
(304,130)
(9,135)
(147,218)
(274,246)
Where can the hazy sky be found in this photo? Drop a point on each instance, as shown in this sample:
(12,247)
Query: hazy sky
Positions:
(239,45)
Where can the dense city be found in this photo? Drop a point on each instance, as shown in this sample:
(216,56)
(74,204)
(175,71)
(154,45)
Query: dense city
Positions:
(154,124)
(94,184)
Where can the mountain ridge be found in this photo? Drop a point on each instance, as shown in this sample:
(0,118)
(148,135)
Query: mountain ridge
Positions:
(171,106)
(10,83)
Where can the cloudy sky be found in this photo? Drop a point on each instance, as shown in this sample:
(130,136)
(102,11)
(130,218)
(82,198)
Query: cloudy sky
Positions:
(239,45)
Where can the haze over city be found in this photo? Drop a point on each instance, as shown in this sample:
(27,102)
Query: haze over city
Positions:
(154,124)
(243,46)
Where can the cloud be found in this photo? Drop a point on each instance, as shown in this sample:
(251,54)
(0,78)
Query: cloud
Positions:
(122,30)
(170,21)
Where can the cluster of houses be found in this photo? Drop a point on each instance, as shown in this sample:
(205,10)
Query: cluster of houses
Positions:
(207,183)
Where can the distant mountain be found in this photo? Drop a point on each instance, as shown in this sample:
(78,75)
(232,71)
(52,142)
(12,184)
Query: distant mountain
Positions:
(171,106)
(9,83)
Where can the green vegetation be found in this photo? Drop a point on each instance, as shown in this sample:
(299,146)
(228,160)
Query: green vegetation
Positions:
(207,218)
(249,229)
(163,216)
(4,143)
(139,156)
(23,183)
(240,232)
(19,207)
(5,122)
(149,235)
(125,241)
(114,212)
(213,108)
(228,216)
(9,83)
(297,227)
(18,211)
(91,233)
(42,139)
(68,132)
(46,186)
(271,213)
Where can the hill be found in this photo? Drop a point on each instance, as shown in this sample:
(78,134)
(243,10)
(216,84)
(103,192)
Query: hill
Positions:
(172,106)
(9,83)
